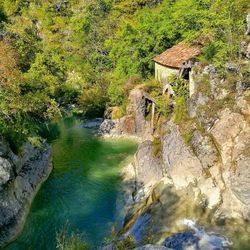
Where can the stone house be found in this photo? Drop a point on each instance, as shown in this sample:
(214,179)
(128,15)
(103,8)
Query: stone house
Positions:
(177,60)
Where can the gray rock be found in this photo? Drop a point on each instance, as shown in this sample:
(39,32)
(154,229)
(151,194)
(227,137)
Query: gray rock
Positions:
(242,86)
(240,181)
(6,171)
(151,247)
(204,149)
(231,67)
(211,71)
(3,148)
(31,170)
(93,124)
(106,126)
(148,166)
(182,165)
(137,108)
(197,239)
(198,99)
(134,122)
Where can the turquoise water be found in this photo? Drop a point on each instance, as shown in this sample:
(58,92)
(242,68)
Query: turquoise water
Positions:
(82,190)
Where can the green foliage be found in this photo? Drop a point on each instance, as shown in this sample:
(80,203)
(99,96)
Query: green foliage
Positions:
(118,243)
(203,85)
(163,105)
(21,111)
(157,147)
(154,88)
(179,86)
(73,241)
(214,106)
(247,98)
(126,244)
(92,102)
(115,92)
(180,110)
(82,52)
(119,111)
(35,141)
(187,136)
(209,52)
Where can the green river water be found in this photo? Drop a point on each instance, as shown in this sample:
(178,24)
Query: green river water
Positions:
(82,190)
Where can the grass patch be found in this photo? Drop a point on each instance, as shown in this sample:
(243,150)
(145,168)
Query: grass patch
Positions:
(117,243)
(119,111)
(157,146)
(214,106)
(203,85)
(231,82)
(247,98)
(73,241)
(187,136)
(180,110)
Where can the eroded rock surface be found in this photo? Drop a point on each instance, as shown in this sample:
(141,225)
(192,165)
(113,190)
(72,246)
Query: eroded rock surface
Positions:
(20,179)
(205,177)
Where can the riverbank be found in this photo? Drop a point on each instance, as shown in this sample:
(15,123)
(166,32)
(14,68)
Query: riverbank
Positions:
(27,173)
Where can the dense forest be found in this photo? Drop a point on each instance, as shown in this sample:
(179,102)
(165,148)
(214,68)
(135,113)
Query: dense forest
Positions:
(57,55)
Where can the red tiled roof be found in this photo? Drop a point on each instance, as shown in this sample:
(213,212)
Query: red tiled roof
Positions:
(177,55)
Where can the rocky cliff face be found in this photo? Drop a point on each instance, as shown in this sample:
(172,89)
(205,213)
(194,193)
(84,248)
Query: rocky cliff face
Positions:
(134,121)
(206,177)
(20,179)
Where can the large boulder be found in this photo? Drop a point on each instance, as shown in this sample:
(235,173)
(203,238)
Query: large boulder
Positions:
(231,134)
(137,108)
(204,149)
(20,178)
(240,181)
(134,121)
(148,164)
(181,164)
(106,126)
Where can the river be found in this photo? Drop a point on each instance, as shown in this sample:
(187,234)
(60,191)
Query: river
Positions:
(82,190)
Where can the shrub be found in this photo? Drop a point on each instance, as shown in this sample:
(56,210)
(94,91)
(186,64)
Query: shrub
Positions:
(153,86)
(73,241)
(117,112)
(92,102)
(203,85)
(115,93)
(163,105)
(36,141)
(187,136)
(180,110)
(210,51)
(156,146)
(214,106)
(126,244)
(179,86)
(115,242)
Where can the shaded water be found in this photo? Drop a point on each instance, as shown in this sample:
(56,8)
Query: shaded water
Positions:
(81,190)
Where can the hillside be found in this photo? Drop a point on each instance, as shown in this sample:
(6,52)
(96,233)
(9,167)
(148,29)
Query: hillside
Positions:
(64,53)
(173,74)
